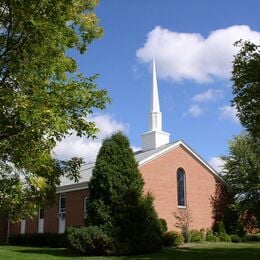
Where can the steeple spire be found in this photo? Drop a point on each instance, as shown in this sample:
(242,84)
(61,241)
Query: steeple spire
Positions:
(155,106)
(155,137)
(155,113)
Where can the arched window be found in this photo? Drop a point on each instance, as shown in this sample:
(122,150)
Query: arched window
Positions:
(181,189)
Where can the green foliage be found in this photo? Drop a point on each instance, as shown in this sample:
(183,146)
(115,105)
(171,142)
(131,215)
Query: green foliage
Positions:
(163,225)
(196,236)
(235,238)
(173,238)
(232,222)
(187,236)
(116,202)
(242,172)
(210,237)
(223,237)
(37,240)
(220,227)
(89,241)
(246,86)
(255,237)
(42,97)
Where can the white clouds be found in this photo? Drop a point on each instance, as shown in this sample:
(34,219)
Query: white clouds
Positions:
(195,110)
(191,56)
(209,95)
(229,113)
(87,148)
(216,163)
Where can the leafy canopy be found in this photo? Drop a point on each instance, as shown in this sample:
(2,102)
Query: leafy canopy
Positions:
(246,86)
(42,98)
(242,172)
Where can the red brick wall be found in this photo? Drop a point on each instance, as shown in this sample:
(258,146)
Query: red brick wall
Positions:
(206,196)
(160,179)
(15,228)
(50,218)
(3,228)
(75,208)
(74,215)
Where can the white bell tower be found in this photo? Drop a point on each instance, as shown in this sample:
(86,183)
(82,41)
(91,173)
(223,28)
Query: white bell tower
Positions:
(155,137)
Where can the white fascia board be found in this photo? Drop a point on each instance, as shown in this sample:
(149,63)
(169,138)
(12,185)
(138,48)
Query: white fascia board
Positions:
(174,146)
(73,187)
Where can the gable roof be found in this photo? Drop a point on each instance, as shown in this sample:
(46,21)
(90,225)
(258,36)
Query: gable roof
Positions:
(141,158)
(147,156)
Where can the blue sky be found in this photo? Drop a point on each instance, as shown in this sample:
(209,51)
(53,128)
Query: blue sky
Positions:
(192,44)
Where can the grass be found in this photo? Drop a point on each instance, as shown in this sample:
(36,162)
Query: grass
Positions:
(205,250)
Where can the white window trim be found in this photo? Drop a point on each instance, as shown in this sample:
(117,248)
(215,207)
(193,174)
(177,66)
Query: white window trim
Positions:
(62,195)
(23,227)
(40,221)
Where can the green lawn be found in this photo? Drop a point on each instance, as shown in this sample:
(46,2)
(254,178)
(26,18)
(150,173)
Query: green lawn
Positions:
(219,251)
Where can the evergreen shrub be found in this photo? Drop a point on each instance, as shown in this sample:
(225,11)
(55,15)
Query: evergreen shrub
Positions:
(89,241)
(186,234)
(220,227)
(163,225)
(116,201)
(173,238)
(235,239)
(196,236)
(223,237)
(210,237)
(255,237)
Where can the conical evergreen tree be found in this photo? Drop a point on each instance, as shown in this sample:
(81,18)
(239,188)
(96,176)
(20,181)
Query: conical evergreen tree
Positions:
(116,202)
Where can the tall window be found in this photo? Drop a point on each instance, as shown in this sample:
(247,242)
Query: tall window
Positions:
(41,213)
(181,189)
(62,206)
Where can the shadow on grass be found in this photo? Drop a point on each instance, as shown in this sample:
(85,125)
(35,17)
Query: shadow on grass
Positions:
(237,252)
(204,253)
(47,251)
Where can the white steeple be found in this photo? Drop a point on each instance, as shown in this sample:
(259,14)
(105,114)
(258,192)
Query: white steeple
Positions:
(155,137)
(155,114)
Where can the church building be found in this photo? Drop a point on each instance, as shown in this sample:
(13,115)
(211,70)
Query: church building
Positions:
(180,181)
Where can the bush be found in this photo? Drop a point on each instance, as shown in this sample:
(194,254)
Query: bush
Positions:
(245,238)
(186,234)
(255,237)
(232,221)
(173,238)
(235,239)
(89,241)
(163,225)
(223,237)
(196,236)
(211,237)
(35,240)
(220,227)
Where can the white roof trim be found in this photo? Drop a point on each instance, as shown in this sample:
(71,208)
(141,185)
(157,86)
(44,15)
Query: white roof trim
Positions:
(84,185)
(73,187)
(178,144)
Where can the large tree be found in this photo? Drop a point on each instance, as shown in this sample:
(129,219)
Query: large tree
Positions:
(42,98)
(246,86)
(242,172)
(116,202)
